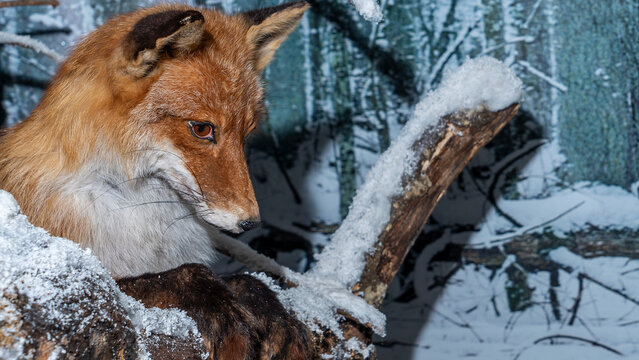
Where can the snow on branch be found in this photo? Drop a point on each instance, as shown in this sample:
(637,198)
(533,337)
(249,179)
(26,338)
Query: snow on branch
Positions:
(53,293)
(30,43)
(480,84)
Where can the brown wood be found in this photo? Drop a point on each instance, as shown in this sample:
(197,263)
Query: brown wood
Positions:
(444,153)
(4,4)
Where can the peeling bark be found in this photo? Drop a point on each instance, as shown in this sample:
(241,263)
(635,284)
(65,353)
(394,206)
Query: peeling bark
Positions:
(444,154)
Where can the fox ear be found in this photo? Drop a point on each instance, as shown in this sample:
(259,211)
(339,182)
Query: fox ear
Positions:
(269,27)
(172,32)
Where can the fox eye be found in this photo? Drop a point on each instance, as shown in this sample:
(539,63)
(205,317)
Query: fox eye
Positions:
(202,130)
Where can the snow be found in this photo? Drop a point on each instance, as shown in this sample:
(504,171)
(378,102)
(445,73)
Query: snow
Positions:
(479,82)
(368,9)
(462,321)
(607,271)
(317,300)
(566,210)
(48,271)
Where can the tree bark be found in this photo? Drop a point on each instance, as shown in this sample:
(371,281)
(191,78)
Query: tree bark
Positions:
(443,156)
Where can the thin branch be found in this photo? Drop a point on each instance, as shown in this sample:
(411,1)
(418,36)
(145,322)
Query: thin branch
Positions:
(575,306)
(491,189)
(30,43)
(610,288)
(4,4)
(443,60)
(506,238)
(572,337)
(532,14)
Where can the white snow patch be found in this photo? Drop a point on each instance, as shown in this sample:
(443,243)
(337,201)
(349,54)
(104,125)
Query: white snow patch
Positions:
(606,270)
(50,270)
(369,9)
(479,82)
(316,300)
(564,211)
(47,20)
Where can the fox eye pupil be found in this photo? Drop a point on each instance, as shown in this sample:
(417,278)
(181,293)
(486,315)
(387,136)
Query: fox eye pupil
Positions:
(202,130)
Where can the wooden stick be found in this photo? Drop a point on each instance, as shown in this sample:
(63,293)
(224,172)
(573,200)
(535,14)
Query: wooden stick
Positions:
(4,4)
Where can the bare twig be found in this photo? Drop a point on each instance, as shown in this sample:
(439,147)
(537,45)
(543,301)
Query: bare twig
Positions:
(4,4)
(572,337)
(506,238)
(493,185)
(575,306)
(610,288)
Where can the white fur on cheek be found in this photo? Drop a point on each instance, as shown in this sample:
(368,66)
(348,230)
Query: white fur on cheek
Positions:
(145,219)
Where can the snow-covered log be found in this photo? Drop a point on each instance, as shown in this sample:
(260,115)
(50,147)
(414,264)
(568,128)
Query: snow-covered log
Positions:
(58,301)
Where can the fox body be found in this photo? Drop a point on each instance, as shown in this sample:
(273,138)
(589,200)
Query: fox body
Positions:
(137,147)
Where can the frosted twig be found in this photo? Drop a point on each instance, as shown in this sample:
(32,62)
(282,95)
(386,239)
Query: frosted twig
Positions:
(4,4)
(251,258)
(30,43)
(526,39)
(541,75)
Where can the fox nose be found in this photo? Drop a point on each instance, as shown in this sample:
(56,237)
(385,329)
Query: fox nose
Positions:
(248,225)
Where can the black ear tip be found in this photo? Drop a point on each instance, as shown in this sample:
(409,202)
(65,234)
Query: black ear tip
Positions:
(191,16)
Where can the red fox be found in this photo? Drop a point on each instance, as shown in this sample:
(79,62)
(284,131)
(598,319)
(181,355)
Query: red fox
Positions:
(136,150)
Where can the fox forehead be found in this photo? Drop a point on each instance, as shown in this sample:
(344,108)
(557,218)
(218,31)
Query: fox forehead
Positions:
(206,87)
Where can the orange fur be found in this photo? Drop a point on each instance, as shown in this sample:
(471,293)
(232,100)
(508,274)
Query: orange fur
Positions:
(109,107)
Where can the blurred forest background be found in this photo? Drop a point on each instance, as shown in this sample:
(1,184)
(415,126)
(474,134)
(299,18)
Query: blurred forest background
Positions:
(535,248)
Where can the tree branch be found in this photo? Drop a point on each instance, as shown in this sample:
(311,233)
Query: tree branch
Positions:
(443,156)
(4,4)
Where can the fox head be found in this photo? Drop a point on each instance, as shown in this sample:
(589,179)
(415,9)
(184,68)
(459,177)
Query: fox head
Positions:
(169,94)
(203,98)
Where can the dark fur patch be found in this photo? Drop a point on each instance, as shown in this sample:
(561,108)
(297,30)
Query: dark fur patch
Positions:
(149,29)
(255,17)
(225,325)
(282,336)
(238,316)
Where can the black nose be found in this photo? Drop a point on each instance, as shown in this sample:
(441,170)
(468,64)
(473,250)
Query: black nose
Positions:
(248,225)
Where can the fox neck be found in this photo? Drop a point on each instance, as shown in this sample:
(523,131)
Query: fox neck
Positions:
(140,222)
